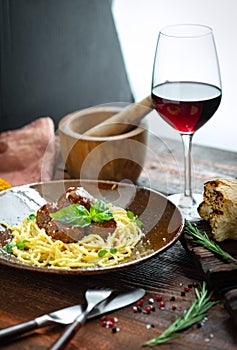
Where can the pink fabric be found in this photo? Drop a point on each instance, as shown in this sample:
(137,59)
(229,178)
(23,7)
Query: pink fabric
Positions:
(28,154)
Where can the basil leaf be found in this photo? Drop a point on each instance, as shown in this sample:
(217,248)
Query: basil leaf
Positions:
(100,217)
(99,206)
(78,215)
(99,212)
(74,214)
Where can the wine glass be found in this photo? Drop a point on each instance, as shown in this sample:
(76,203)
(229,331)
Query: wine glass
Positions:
(186,91)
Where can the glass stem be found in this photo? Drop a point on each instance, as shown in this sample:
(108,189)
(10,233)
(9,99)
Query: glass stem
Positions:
(187,145)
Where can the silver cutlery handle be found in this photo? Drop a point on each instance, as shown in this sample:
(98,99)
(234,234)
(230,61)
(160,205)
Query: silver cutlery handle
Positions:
(18,329)
(25,327)
(68,333)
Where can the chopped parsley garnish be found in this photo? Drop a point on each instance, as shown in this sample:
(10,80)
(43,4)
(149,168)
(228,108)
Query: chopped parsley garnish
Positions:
(134,218)
(19,245)
(31,217)
(103,252)
(9,247)
(113,250)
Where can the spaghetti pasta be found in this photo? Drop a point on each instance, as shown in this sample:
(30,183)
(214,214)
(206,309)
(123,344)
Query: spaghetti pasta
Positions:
(31,245)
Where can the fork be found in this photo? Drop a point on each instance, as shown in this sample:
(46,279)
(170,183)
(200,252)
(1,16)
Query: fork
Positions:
(93,298)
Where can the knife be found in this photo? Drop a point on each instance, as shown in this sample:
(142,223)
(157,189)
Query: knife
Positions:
(72,328)
(69,314)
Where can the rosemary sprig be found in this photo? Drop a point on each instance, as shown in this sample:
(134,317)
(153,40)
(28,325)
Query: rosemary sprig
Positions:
(196,312)
(204,240)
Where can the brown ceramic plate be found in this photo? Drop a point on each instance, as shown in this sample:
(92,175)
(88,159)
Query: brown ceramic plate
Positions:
(162,220)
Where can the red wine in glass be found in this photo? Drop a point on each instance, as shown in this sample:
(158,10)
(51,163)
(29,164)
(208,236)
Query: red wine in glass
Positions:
(186,106)
(186,91)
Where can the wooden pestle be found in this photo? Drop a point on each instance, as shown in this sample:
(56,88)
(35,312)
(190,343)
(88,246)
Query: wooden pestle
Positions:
(123,121)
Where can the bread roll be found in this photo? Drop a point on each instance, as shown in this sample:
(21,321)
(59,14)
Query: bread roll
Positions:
(219,207)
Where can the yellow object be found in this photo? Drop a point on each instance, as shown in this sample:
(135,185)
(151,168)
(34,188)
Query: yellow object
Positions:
(4,184)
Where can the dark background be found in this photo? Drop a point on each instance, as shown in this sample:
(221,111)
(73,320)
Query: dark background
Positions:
(57,56)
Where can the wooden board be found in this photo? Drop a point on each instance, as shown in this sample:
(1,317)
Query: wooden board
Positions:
(220,275)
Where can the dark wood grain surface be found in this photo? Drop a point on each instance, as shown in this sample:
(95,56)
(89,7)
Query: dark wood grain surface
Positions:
(25,294)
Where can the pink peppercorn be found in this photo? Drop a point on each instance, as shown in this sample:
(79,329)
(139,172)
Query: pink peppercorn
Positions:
(162,304)
(158,297)
(186,288)
(140,302)
(110,323)
(148,309)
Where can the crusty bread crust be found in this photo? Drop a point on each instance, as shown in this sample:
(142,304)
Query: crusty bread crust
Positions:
(219,207)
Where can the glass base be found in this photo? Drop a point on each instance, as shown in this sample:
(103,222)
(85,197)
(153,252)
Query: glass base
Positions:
(187,205)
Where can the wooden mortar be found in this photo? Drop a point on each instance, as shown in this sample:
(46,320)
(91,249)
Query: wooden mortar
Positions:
(116,157)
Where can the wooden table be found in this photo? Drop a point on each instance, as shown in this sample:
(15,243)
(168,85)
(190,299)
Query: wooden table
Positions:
(25,294)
